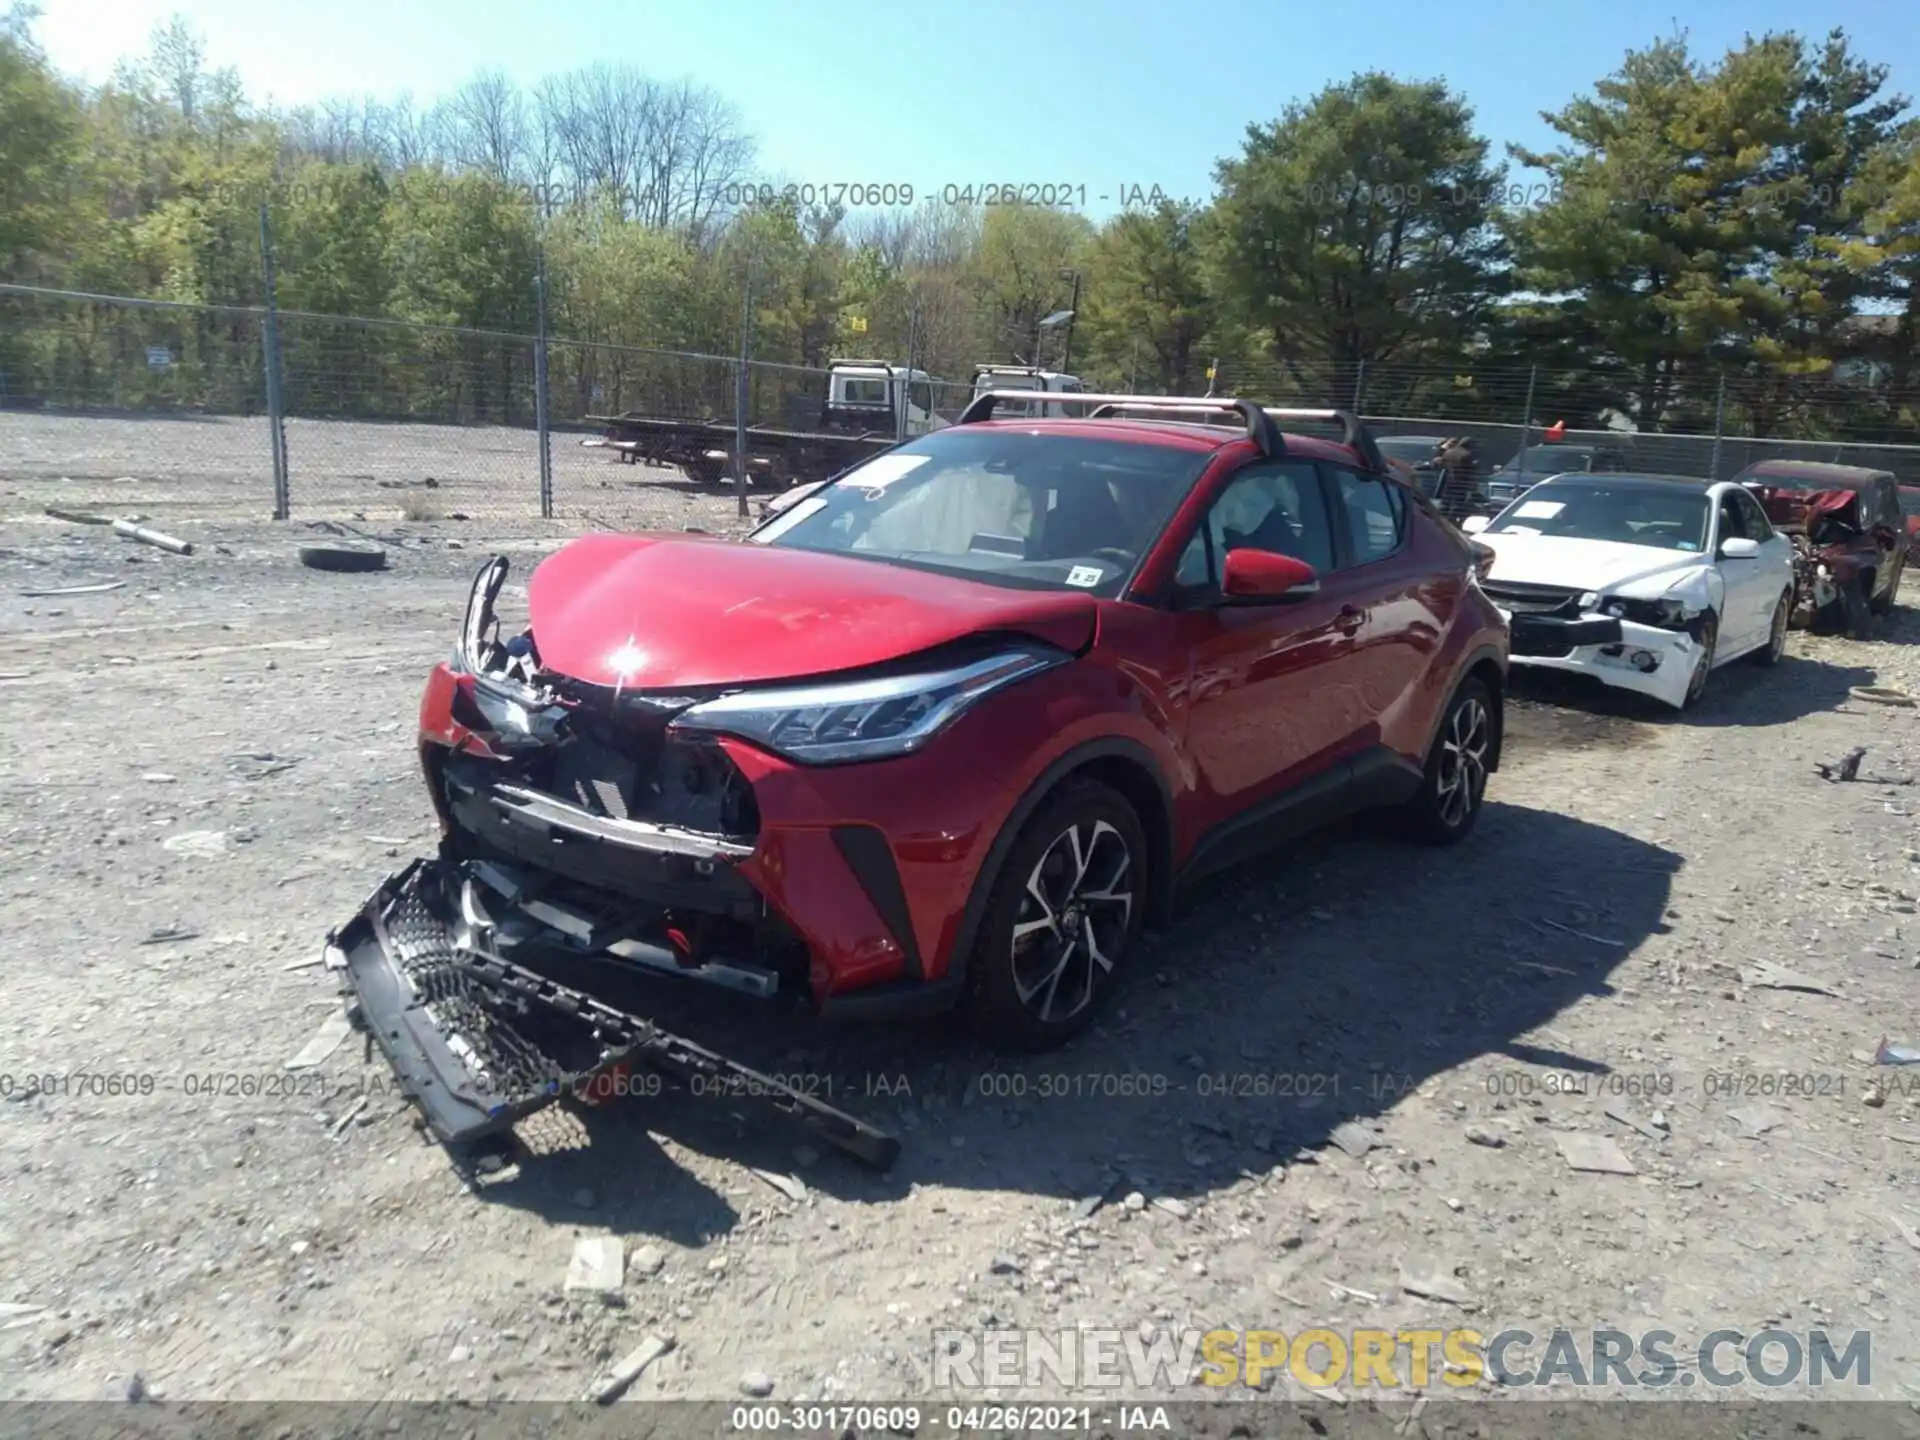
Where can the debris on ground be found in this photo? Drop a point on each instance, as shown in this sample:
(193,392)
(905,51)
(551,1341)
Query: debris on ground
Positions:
(1883,695)
(1765,975)
(324,1041)
(1595,1153)
(630,1368)
(75,590)
(788,1185)
(598,1266)
(201,843)
(1894,1054)
(756,1385)
(168,935)
(1847,769)
(1434,1280)
(1619,1110)
(1353,1138)
(152,537)
(1478,1135)
(1756,1120)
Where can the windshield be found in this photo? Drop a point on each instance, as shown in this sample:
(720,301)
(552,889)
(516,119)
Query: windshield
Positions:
(1033,511)
(1414,452)
(1665,517)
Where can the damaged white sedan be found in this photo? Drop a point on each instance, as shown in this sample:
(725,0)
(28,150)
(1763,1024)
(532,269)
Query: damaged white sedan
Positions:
(1643,582)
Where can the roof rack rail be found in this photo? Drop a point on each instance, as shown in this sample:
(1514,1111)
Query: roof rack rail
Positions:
(1354,431)
(1260,427)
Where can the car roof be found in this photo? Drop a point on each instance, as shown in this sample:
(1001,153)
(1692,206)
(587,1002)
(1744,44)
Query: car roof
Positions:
(1632,480)
(1175,434)
(1835,477)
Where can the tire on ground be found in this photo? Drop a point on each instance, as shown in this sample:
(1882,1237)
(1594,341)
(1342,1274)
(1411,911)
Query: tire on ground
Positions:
(344,559)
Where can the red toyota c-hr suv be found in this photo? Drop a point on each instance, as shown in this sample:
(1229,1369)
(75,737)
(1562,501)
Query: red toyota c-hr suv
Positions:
(949,729)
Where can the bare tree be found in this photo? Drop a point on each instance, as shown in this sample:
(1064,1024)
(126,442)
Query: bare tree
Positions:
(695,148)
(409,134)
(486,126)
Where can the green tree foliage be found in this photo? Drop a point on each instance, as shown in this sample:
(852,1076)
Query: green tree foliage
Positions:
(1359,227)
(1754,218)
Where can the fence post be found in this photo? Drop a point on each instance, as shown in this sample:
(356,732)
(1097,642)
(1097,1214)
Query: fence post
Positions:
(1719,429)
(270,344)
(906,399)
(1360,385)
(741,397)
(540,417)
(1526,421)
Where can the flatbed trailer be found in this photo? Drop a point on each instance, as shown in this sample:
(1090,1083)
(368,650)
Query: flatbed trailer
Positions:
(703,449)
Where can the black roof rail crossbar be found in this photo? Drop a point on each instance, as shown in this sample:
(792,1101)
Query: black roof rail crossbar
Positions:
(1260,427)
(1353,429)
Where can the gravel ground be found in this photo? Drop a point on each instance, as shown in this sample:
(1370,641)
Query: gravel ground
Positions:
(221,467)
(223,750)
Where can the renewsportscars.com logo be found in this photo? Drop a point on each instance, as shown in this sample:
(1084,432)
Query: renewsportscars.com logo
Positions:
(1154,1359)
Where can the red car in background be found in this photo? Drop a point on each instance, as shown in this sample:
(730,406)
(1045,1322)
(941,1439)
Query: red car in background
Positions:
(1850,538)
(949,729)
(1910,511)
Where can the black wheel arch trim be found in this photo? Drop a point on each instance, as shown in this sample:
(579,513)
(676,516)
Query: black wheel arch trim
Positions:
(1475,658)
(1035,795)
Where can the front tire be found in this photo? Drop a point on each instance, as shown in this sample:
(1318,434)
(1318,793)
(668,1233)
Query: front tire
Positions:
(1707,635)
(1065,910)
(1455,783)
(1883,604)
(1776,646)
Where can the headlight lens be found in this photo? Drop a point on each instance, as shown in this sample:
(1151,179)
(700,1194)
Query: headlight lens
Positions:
(1667,614)
(864,719)
(514,720)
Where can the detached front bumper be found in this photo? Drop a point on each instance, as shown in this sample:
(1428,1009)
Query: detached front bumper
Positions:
(1621,654)
(453,983)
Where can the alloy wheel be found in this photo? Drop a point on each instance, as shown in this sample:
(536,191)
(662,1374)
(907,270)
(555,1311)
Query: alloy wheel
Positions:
(1072,920)
(1463,762)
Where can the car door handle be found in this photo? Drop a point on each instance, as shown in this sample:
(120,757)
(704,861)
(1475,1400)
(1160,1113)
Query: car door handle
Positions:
(1349,620)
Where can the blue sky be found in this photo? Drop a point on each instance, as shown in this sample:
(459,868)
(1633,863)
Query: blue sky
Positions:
(1100,96)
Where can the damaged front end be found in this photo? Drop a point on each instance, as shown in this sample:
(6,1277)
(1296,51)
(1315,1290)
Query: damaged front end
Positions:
(622,833)
(585,844)
(1825,529)
(1645,638)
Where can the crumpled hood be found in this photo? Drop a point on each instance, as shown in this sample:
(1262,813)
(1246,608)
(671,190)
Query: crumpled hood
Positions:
(1602,565)
(686,611)
(1793,509)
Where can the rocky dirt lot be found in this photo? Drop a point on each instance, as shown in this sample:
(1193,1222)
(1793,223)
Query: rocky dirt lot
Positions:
(208,768)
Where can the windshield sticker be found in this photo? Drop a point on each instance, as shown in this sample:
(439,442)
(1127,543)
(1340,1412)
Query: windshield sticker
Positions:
(1539,509)
(1686,545)
(1085,577)
(881,471)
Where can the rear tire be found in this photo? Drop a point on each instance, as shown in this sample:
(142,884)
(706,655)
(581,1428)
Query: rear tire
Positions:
(1776,646)
(1065,910)
(1455,784)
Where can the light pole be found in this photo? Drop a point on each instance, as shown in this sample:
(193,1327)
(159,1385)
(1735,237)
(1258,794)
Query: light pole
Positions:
(1073,308)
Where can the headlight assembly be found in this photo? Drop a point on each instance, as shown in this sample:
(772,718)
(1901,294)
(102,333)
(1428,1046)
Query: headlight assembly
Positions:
(864,719)
(1666,614)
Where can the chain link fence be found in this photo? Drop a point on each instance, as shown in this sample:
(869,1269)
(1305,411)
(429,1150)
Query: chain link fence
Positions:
(165,408)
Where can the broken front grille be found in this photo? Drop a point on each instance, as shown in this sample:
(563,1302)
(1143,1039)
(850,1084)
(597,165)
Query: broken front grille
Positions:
(508,1047)
(1555,600)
